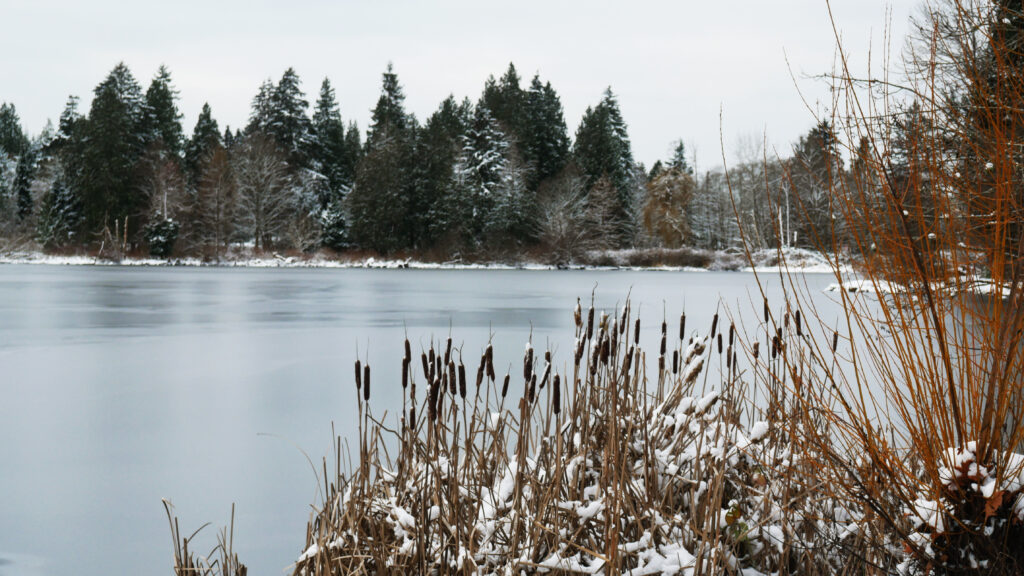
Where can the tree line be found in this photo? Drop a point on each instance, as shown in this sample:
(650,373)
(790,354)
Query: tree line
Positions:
(496,178)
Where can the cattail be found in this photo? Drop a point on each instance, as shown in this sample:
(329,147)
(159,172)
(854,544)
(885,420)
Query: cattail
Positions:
(435,392)
(504,386)
(366,382)
(577,315)
(405,372)
(578,352)
(462,380)
(590,323)
(799,332)
(547,374)
(732,333)
(489,356)
(448,351)
(433,355)
(451,377)
(835,341)
(622,323)
(359,377)
(775,346)
(719,343)
(556,394)
(661,364)
(757,349)
(412,417)
(479,376)
(728,357)
(408,350)
(605,350)
(615,336)
(785,320)
(682,326)
(426,371)
(714,325)
(533,388)
(675,361)
(636,332)
(766,310)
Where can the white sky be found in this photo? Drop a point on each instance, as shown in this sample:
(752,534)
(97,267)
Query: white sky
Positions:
(673,64)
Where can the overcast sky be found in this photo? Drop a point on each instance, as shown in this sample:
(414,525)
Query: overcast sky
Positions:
(673,64)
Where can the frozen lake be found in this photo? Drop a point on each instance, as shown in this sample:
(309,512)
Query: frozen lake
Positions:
(122,386)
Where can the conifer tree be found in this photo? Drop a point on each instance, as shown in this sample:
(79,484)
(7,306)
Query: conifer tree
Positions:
(60,215)
(162,120)
(288,123)
(479,170)
(114,143)
(13,141)
(678,160)
(437,150)
(545,141)
(507,102)
(24,176)
(602,150)
(205,137)
(379,204)
(327,150)
(262,108)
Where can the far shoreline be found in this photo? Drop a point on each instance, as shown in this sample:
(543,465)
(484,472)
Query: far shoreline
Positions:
(765,261)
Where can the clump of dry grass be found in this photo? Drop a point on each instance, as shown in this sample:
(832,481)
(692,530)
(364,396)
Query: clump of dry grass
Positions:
(220,561)
(594,466)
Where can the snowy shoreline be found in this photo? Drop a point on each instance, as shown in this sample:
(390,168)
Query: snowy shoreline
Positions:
(807,262)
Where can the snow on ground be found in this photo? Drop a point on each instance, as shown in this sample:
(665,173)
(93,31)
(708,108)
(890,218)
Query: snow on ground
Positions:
(764,261)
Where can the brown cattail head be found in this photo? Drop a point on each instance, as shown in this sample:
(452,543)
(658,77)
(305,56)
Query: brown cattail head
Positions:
(835,341)
(359,377)
(577,315)
(682,326)
(408,350)
(766,310)
(675,361)
(664,342)
(728,357)
(590,323)
(533,388)
(448,351)
(556,394)
(799,331)
(462,380)
(785,320)
(547,374)
(504,386)
(452,383)
(661,364)
(636,332)
(412,417)
(719,343)
(490,368)
(366,382)
(426,371)
(606,350)
(480,376)
(433,355)
(714,325)
(757,350)
(622,323)
(732,333)
(405,372)
(435,392)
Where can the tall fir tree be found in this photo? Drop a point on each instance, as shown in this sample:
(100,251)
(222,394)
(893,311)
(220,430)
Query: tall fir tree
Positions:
(439,145)
(205,137)
(678,160)
(602,149)
(262,108)
(288,124)
(379,203)
(13,140)
(479,171)
(162,120)
(545,139)
(507,102)
(24,176)
(327,149)
(114,144)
